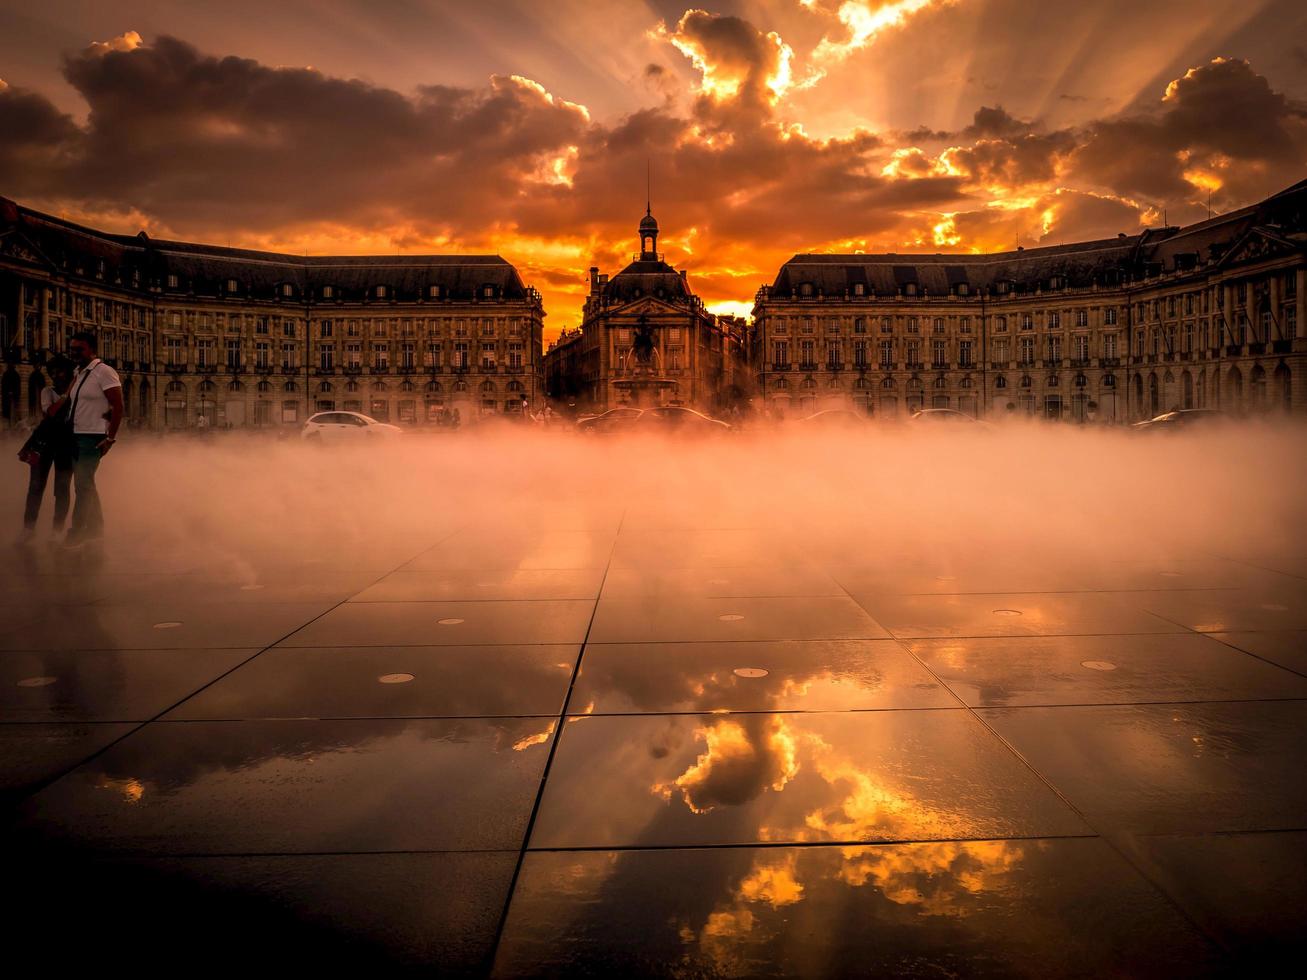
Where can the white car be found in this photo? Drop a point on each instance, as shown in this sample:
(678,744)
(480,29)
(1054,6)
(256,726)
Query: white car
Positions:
(331,426)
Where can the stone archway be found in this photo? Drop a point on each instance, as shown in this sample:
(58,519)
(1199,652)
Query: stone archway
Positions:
(1282,387)
(1234,385)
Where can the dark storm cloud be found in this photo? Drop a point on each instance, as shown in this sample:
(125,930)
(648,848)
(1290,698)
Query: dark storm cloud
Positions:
(215,141)
(1219,112)
(995,121)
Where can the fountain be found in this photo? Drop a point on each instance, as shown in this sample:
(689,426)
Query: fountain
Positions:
(641,384)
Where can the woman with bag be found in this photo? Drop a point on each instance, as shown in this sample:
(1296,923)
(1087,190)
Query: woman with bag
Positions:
(50,447)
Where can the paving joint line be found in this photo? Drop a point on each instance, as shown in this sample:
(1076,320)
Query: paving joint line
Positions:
(493,952)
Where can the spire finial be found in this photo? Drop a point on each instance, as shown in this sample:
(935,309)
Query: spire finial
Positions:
(648,185)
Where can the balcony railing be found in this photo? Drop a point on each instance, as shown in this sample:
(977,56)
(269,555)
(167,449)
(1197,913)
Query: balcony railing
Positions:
(1281,346)
(1109,362)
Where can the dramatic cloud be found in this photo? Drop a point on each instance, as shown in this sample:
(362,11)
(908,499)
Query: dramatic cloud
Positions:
(735,59)
(862,21)
(1220,128)
(216,148)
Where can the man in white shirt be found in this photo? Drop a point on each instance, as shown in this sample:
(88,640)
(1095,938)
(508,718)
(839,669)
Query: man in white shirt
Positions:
(95,411)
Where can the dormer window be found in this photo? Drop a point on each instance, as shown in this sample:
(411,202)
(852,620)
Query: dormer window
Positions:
(172,280)
(487,292)
(1002,288)
(433,292)
(328,292)
(379,292)
(287,289)
(805,289)
(231,285)
(99,269)
(910,289)
(859,289)
(963,289)
(1055,282)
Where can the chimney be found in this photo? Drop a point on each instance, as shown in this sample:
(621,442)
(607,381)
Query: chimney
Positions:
(594,277)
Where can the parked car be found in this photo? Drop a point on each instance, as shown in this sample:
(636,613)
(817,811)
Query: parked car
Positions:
(835,418)
(341,426)
(1184,418)
(943,416)
(609,421)
(679,420)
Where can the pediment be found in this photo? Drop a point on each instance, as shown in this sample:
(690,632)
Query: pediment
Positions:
(1258,245)
(15,245)
(647,306)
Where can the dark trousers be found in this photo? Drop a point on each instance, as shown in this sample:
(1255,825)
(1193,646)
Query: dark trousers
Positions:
(63,478)
(88,518)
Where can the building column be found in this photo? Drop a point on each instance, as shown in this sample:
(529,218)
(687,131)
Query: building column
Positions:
(1301,275)
(1277,315)
(43,328)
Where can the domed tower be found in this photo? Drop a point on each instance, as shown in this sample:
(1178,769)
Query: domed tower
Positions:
(648,236)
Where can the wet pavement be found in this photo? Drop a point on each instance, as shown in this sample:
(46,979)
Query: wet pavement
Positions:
(637,744)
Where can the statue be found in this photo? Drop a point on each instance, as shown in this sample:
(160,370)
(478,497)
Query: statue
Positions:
(643,343)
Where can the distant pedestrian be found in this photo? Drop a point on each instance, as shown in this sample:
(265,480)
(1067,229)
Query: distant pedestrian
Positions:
(50,447)
(94,414)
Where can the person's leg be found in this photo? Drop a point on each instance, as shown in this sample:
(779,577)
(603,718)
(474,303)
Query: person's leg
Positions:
(36,491)
(87,518)
(63,479)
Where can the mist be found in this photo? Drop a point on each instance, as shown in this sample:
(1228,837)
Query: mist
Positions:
(968,506)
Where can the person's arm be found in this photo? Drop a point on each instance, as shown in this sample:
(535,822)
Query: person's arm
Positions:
(57,405)
(116,412)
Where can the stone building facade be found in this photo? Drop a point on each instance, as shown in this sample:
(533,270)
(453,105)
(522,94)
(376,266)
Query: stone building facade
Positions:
(1209,315)
(228,337)
(695,358)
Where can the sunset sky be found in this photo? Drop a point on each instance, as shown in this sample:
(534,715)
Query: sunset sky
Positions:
(524,128)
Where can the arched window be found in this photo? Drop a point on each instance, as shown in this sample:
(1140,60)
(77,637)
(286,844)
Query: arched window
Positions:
(887,383)
(966,382)
(941,382)
(176,388)
(290,386)
(325,387)
(1000,382)
(1025,381)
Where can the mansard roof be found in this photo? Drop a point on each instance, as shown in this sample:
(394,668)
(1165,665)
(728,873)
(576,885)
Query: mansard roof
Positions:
(647,278)
(1081,264)
(137,261)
